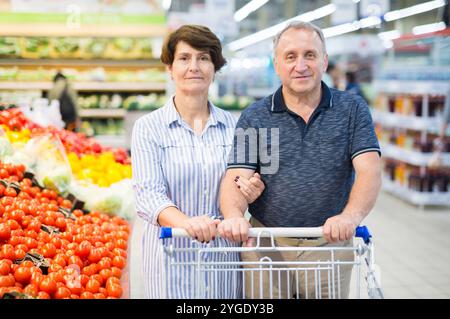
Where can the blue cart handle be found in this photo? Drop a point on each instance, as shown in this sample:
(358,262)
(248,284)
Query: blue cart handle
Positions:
(314,232)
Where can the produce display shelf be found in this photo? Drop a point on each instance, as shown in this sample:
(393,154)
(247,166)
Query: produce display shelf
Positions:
(409,156)
(102,113)
(415,197)
(58,30)
(88,86)
(82,62)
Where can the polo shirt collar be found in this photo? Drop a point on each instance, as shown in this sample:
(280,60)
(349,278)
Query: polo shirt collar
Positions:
(172,115)
(278,104)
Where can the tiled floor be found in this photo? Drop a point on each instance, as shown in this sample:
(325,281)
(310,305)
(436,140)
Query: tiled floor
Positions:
(412,248)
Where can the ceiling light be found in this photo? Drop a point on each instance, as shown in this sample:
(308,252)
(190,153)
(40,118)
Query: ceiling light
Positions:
(419,8)
(243,12)
(426,28)
(273,30)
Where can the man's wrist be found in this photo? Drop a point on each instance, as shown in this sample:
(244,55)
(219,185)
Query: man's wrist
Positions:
(233,214)
(356,217)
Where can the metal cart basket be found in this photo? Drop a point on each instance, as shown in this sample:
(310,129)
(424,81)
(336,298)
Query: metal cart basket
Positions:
(268,277)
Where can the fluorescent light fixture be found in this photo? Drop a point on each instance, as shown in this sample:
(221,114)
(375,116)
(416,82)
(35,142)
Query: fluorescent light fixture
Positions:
(166,4)
(271,31)
(389,35)
(341,29)
(243,12)
(419,8)
(369,22)
(426,28)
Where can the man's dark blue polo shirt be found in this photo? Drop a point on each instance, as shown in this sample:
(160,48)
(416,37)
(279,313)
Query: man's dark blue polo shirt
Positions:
(310,177)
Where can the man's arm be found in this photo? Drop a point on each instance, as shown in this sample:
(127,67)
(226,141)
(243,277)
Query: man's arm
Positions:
(233,206)
(362,198)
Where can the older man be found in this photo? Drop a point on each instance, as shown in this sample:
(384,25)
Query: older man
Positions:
(308,142)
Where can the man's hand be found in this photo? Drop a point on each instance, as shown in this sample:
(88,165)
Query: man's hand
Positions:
(201,228)
(234,229)
(251,188)
(339,228)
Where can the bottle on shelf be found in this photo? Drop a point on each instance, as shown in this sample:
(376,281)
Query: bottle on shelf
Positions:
(391,104)
(417,104)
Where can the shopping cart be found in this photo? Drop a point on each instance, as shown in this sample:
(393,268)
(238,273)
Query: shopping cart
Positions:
(212,273)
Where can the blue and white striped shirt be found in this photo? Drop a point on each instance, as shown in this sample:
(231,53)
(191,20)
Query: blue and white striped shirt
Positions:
(172,166)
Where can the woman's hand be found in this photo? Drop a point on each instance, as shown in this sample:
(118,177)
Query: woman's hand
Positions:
(251,188)
(201,228)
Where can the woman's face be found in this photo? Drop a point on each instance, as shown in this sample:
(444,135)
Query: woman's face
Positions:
(192,70)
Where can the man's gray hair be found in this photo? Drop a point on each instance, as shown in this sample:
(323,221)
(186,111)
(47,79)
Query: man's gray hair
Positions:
(300,25)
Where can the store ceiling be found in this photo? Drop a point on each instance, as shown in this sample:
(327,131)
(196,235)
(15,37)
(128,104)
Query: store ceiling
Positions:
(276,11)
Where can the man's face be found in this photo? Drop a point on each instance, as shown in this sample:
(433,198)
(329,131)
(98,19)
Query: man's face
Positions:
(300,61)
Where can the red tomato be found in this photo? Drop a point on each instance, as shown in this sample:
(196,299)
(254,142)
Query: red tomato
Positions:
(93,286)
(5,232)
(7,281)
(49,250)
(8,252)
(87,295)
(27,263)
(48,285)
(60,260)
(43,295)
(119,262)
(31,289)
(20,253)
(5,267)
(95,255)
(75,260)
(114,290)
(104,263)
(105,273)
(36,278)
(34,225)
(10,192)
(116,272)
(23,275)
(62,292)
(13,225)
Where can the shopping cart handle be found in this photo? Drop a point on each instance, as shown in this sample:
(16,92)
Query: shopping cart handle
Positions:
(361,231)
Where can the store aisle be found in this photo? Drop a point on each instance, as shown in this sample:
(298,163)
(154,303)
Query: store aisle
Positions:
(411,248)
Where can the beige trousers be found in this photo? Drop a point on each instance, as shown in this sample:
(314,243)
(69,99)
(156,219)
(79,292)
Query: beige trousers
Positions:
(297,281)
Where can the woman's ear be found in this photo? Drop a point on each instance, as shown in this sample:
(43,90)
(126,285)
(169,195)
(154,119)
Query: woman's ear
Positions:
(169,70)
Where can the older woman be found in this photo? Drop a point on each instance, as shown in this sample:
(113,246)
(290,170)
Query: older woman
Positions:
(179,155)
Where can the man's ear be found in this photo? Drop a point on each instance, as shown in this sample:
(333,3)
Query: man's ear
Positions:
(325,62)
(275,64)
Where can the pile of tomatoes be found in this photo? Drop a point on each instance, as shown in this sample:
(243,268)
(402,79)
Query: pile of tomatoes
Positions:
(84,254)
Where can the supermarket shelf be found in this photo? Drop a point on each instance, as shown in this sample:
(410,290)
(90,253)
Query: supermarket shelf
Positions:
(81,62)
(405,121)
(412,87)
(111,140)
(415,197)
(57,30)
(88,86)
(102,113)
(410,157)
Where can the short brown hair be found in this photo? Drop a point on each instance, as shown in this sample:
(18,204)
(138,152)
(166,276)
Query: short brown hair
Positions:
(197,36)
